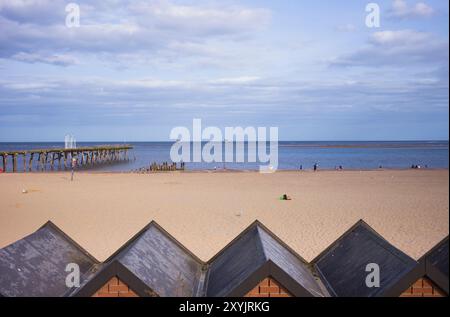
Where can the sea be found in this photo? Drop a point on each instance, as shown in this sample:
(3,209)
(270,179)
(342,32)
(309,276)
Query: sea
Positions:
(292,155)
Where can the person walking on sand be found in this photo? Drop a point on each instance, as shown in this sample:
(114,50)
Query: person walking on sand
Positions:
(74,164)
(315,167)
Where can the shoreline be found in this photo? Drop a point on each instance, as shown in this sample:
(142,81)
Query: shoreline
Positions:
(231,171)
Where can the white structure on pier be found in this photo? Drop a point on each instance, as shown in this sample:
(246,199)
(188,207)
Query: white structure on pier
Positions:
(70,142)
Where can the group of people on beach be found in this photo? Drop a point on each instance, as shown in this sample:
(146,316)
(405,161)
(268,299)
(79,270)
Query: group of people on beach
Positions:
(340,167)
(417,167)
(316,167)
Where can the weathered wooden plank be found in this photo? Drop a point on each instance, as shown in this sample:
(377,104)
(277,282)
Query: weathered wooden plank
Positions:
(24,162)
(14,157)
(30,162)
(4,161)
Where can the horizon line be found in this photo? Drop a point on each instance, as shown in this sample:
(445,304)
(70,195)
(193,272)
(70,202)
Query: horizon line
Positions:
(159,141)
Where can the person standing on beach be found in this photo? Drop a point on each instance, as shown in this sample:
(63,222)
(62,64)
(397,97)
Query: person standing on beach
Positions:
(74,164)
(315,167)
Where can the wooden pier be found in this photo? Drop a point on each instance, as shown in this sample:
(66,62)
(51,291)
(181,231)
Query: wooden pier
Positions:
(60,158)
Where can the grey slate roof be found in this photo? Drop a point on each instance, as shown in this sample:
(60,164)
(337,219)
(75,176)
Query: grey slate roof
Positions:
(152,264)
(253,256)
(35,265)
(342,267)
(436,265)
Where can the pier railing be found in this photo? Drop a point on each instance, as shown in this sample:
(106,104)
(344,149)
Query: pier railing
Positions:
(60,158)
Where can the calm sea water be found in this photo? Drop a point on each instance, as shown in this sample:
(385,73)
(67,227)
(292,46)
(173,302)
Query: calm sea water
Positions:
(291,155)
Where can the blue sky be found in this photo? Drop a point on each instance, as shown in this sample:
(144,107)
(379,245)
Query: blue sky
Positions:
(133,70)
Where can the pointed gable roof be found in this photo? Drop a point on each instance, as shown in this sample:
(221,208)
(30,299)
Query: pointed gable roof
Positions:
(436,264)
(254,255)
(152,263)
(342,267)
(35,265)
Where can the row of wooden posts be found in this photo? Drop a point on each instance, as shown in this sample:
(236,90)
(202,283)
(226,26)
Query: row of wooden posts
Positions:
(163,167)
(62,158)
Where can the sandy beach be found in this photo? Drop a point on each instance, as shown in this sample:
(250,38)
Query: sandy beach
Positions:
(205,210)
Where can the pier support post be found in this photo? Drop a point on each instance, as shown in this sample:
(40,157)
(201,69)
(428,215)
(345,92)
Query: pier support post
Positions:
(42,161)
(4,160)
(14,157)
(38,166)
(65,160)
(52,161)
(30,162)
(59,160)
(24,162)
(46,160)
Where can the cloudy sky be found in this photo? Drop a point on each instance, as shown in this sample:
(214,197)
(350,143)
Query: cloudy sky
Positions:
(133,70)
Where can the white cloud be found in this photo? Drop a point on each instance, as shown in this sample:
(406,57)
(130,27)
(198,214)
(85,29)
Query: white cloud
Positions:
(55,59)
(400,48)
(29,85)
(200,19)
(33,11)
(34,31)
(236,80)
(401,37)
(401,9)
(346,28)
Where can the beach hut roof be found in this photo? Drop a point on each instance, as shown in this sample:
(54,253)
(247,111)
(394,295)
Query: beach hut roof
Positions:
(36,265)
(152,263)
(342,267)
(254,255)
(436,264)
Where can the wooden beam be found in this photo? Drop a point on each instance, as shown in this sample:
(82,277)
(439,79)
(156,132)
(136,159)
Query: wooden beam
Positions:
(4,162)
(65,160)
(52,161)
(24,162)
(30,162)
(14,157)
(60,155)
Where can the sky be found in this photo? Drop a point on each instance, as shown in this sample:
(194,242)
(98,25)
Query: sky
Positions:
(134,70)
